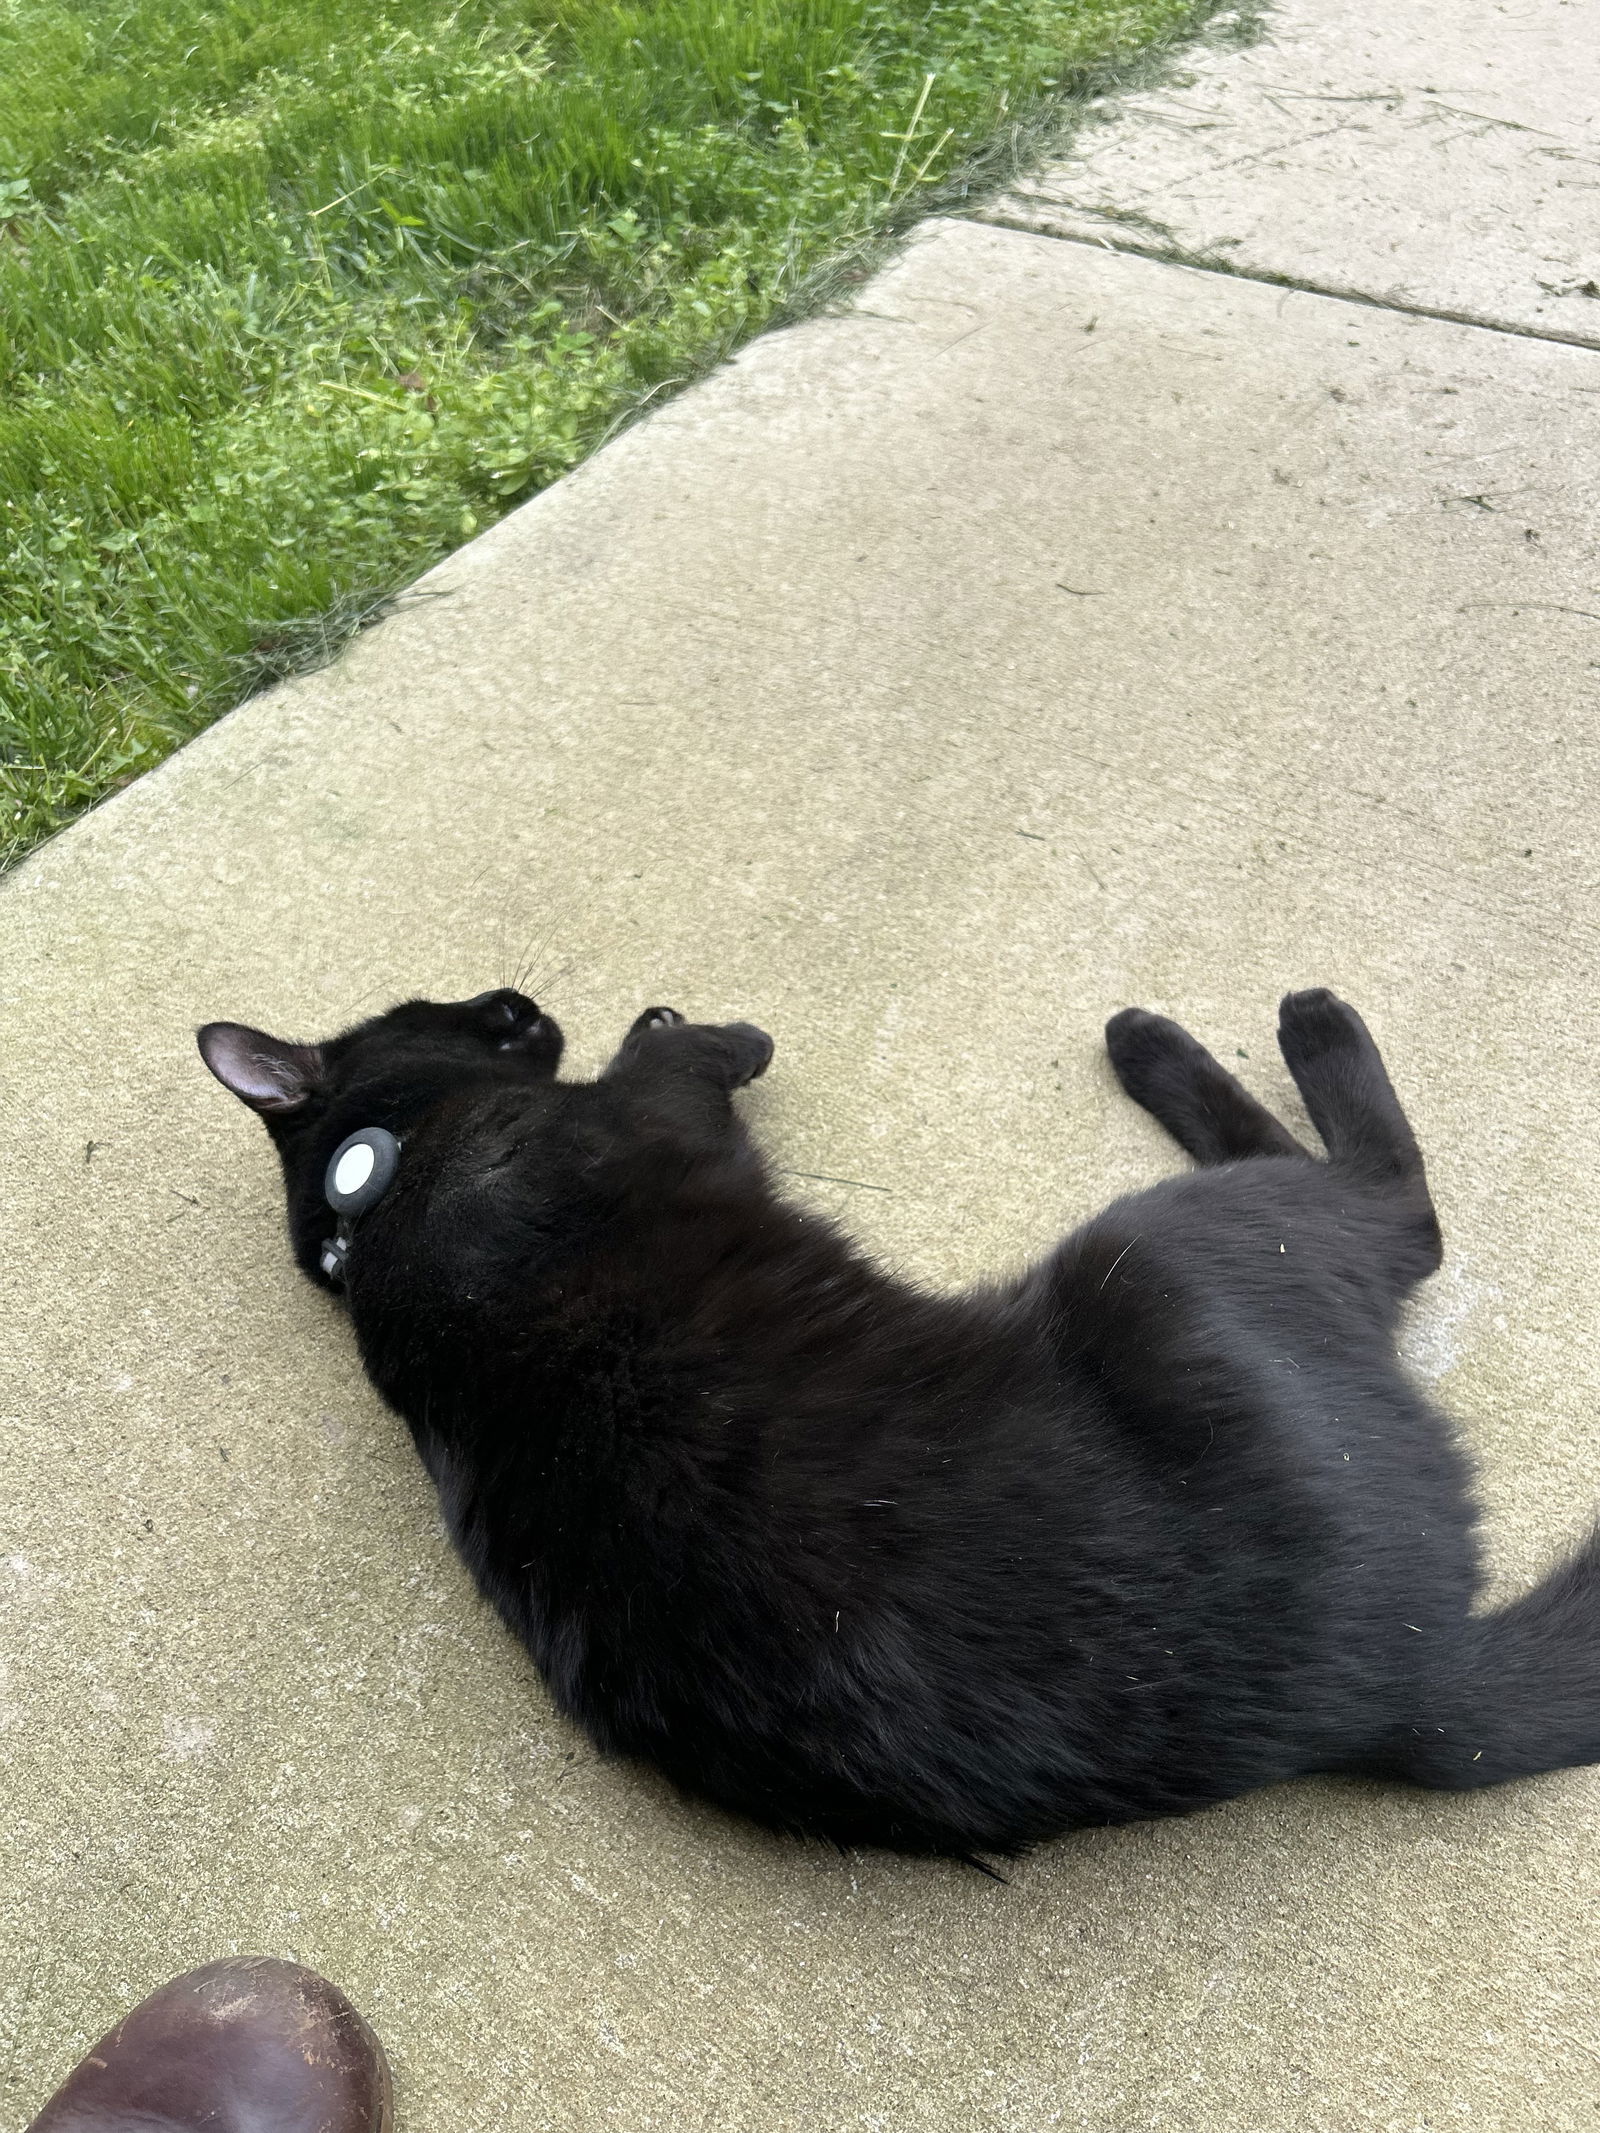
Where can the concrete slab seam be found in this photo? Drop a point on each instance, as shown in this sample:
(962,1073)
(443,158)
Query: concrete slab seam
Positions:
(1209,263)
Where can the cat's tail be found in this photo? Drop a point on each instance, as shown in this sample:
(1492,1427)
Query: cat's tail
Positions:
(1524,1693)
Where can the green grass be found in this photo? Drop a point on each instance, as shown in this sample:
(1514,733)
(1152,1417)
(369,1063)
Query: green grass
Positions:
(296,295)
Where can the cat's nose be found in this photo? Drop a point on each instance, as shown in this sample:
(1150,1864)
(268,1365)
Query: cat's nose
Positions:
(503,1006)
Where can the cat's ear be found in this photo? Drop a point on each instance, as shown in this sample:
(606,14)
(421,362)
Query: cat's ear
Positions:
(265,1072)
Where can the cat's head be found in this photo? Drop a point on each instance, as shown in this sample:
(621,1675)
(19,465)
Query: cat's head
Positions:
(384,1072)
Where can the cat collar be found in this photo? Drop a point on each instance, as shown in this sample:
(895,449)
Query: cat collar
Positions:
(360,1171)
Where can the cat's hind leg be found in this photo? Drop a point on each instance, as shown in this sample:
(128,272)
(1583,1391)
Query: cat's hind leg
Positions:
(1347,1090)
(1341,1075)
(1198,1101)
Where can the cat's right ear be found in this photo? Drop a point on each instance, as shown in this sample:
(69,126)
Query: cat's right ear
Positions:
(267,1073)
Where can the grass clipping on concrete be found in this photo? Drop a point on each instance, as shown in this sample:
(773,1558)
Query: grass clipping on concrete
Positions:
(296,295)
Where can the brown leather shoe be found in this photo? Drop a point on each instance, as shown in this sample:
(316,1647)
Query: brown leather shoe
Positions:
(244,2046)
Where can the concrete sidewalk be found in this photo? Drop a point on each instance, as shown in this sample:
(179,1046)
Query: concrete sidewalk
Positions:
(1061,629)
(1441,156)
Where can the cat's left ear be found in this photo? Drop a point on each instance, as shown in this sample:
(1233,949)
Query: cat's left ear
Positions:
(267,1073)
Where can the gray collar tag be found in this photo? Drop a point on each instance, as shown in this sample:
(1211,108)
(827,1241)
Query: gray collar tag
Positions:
(360,1171)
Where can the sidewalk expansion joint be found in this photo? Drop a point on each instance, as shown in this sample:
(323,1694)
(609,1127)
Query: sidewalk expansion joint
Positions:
(1209,263)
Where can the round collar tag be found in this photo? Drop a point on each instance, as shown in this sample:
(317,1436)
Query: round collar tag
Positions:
(361,1170)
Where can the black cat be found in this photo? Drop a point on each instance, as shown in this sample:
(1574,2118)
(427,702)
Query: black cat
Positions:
(1159,1521)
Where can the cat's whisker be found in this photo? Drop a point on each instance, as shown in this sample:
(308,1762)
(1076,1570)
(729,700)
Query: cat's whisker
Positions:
(503,978)
(553,978)
(374,992)
(526,978)
(536,976)
(537,947)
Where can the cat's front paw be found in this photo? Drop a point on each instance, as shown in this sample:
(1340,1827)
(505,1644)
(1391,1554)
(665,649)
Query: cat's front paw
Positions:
(728,1053)
(750,1051)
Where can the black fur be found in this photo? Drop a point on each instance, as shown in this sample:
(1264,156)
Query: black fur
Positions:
(1160,1521)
